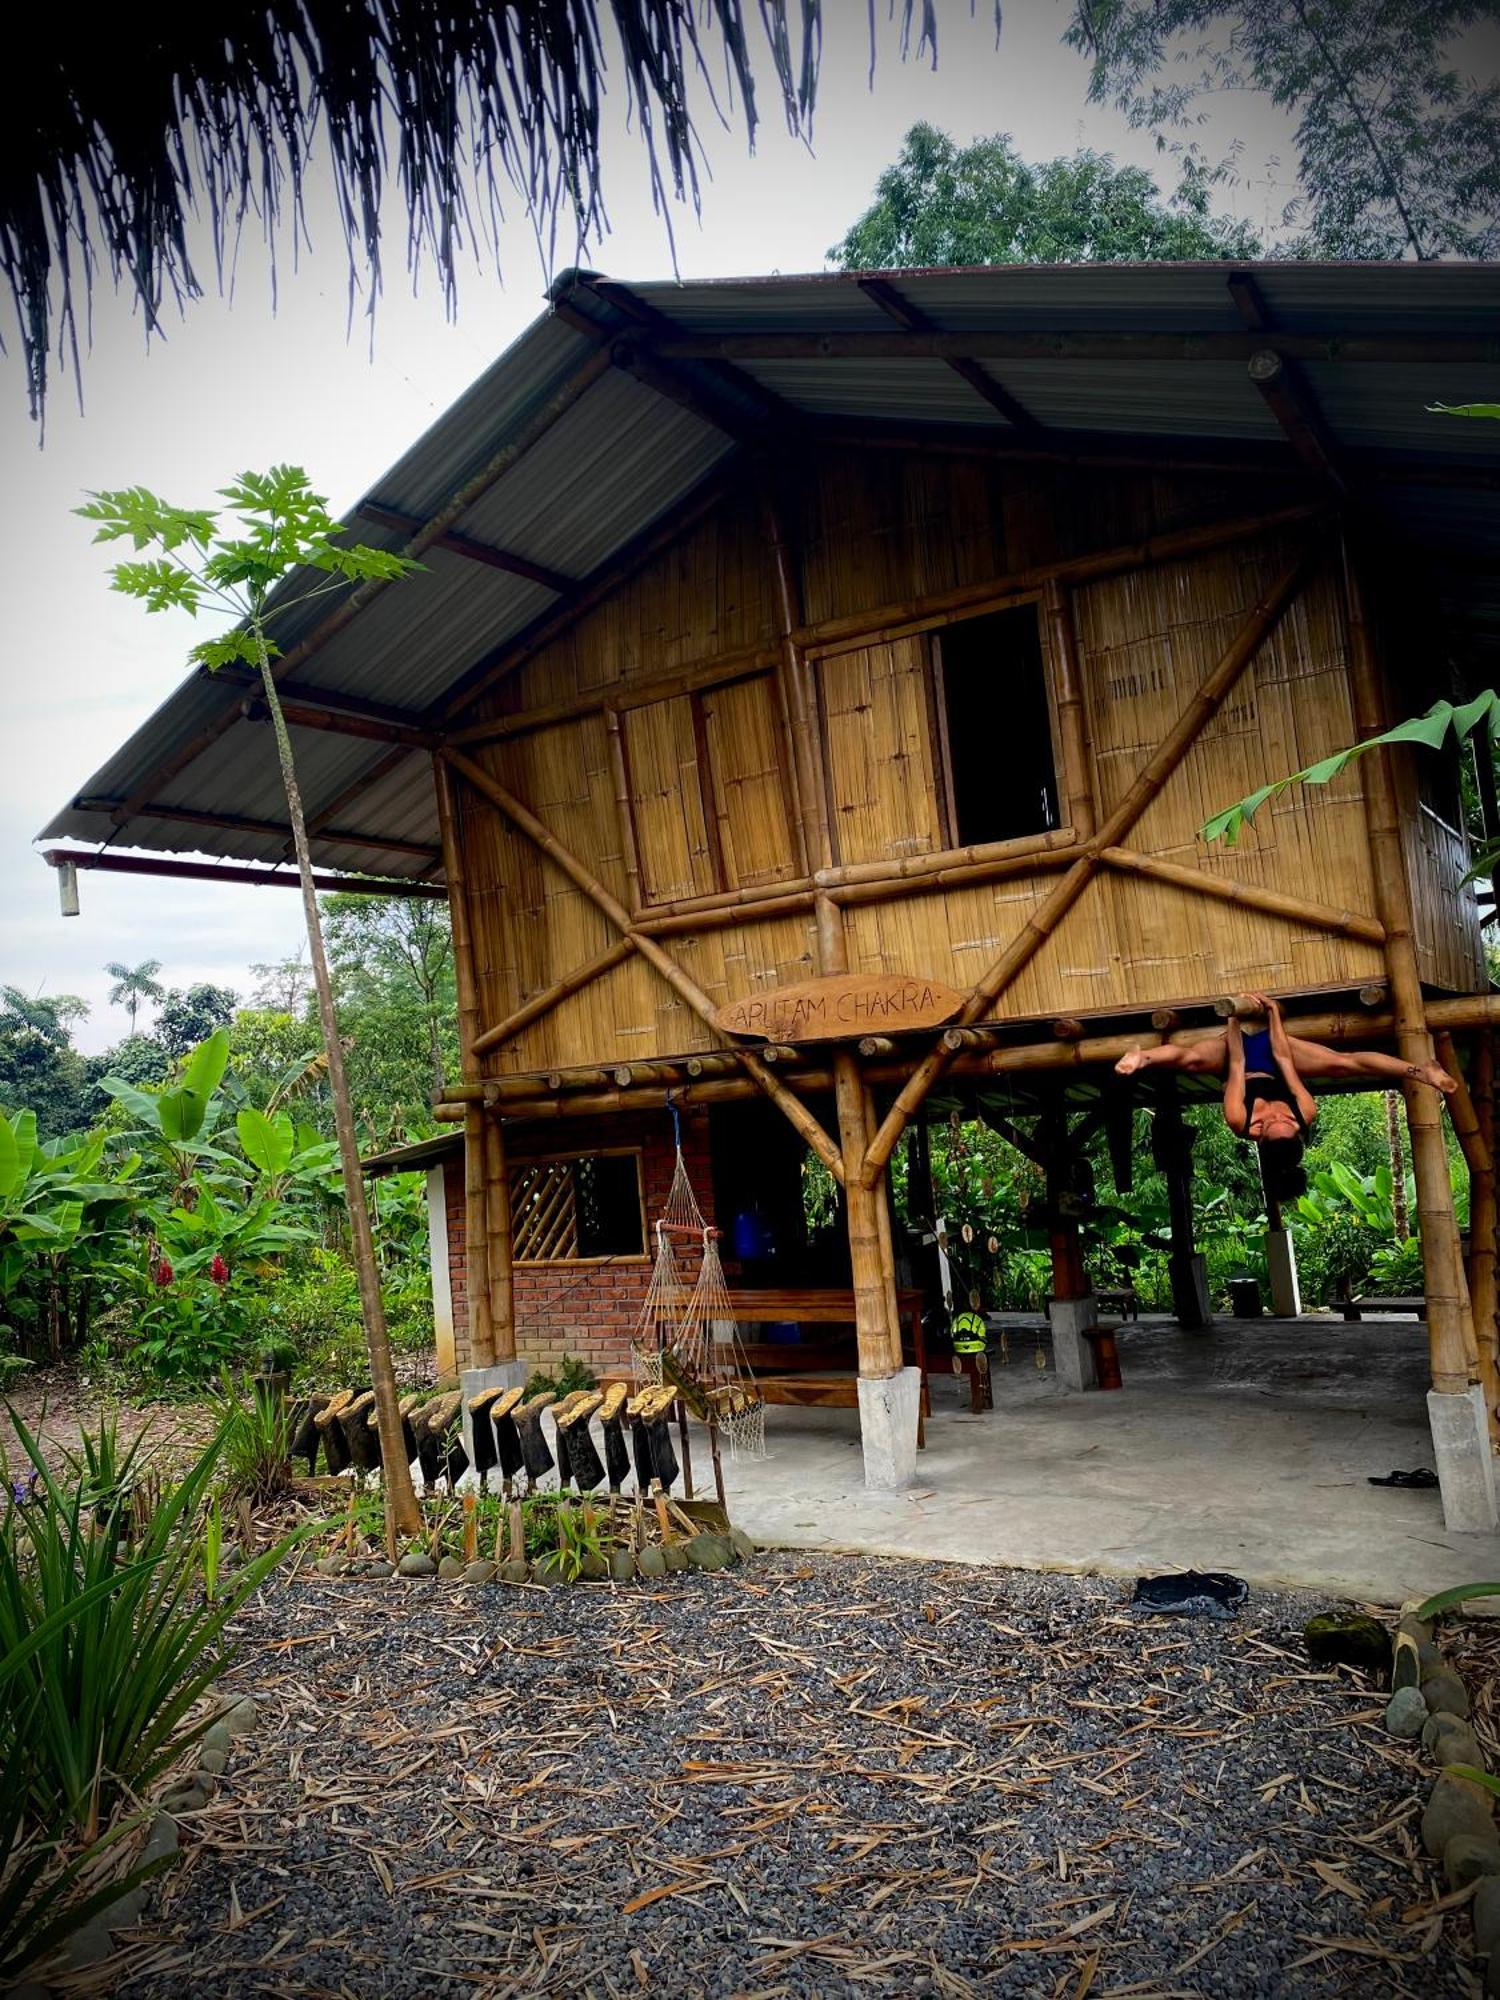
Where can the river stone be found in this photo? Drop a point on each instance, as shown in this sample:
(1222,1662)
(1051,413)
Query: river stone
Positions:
(215,1737)
(416,1563)
(1449,1740)
(1445,1692)
(1347,1639)
(480,1571)
(594,1569)
(380,1568)
(187,1798)
(333,1565)
(1457,1805)
(744,1547)
(517,1570)
(1468,1856)
(90,1944)
(675,1556)
(651,1562)
(213,1761)
(1406,1713)
(240,1717)
(711,1552)
(1486,1913)
(450,1569)
(622,1565)
(162,1838)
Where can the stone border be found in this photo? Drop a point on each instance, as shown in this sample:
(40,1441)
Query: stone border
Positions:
(1430,1703)
(92,1942)
(707,1551)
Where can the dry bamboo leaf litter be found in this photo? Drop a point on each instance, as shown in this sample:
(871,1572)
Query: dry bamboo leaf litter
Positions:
(705,1791)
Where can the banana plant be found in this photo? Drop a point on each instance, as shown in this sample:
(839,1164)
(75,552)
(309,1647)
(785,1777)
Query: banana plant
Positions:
(284,1153)
(177,1122)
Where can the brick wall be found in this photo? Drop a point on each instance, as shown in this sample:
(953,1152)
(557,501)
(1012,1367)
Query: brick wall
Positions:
(575,1308)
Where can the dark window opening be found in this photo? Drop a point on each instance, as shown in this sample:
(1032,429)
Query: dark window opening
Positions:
(589,1207)
(997,735)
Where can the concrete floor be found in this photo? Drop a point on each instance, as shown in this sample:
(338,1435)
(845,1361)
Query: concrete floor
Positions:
(1246,1449)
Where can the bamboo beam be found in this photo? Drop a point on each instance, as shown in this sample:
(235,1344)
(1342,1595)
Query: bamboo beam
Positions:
(107,862)
(553,996)
(624,810)
(499,1244)
(743,664)
(1255,628)
(686,988)
(1072,716)
(1062,345)
(478,1214)
(794,693)
(472,551)
(1249,895)
(914,867)
(342,722)
(753,910)
(1473,1115)
(885,295)
(356,788)
(477,1241)
(882,621)
(1448,1336)
(272,829)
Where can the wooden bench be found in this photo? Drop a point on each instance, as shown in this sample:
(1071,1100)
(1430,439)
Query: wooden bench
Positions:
(1382,1308)
(1118,1299)
(820,1374)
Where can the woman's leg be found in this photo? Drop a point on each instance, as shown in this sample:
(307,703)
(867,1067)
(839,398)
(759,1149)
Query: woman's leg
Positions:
(1197,1058)
(1314,1060)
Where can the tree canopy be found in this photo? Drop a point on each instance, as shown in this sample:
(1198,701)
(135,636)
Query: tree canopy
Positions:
(1398,143)
(941,203)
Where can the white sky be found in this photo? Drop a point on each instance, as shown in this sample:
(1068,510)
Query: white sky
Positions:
(234,387)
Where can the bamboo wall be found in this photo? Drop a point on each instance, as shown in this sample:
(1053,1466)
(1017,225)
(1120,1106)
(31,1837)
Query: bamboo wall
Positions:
(707,797)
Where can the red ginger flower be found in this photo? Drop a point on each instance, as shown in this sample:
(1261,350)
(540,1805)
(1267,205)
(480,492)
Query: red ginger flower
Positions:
(218,1270)
(161,1272)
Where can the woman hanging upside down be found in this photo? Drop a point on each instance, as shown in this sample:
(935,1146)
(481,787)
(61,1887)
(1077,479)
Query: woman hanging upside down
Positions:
(1265,1098)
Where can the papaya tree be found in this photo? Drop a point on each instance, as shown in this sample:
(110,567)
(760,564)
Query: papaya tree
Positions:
(274,531)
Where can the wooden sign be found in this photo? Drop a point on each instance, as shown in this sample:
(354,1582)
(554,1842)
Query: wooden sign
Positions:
(841,1007)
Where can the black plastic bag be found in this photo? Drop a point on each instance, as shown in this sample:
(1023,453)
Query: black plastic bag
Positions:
(1190,1593)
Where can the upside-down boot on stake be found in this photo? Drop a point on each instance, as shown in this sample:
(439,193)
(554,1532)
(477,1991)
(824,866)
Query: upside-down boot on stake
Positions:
(306,1437)
(536,1454)
(485,1454)
(408,1406)
(648,1413)
(508,1450)
(335,1450)
(363,1443)
(616,1451)
(442,1428)
(584,1461)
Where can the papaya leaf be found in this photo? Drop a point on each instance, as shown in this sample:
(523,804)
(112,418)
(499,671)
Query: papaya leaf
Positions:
(1445,1600)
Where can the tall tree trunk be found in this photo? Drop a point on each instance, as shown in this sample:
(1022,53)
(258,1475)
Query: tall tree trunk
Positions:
(401,1511)
(1398,1165)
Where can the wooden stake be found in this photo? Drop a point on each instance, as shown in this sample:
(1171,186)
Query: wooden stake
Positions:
(1448,1337)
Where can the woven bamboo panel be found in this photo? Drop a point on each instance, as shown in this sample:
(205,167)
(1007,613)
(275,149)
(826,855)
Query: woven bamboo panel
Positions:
(667,799)
(746,753)
(880,752)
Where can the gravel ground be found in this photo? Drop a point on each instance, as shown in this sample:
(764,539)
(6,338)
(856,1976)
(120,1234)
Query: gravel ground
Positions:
(813,1776)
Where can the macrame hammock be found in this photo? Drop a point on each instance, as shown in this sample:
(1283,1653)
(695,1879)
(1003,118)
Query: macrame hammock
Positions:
(698,1326)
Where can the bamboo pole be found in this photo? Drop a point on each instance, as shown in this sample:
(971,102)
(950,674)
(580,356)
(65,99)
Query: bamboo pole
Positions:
(871,1262)
(624,810)
(1473,1113)
(1249,895)
(498,1243)
(886,873)
(478,1289)
(746,663)
(544,1002)
(687,989)
(1072,717)
(936,881)
(810,803)
(476,1241)
(1044,920)
(1447,1337)
(746,909)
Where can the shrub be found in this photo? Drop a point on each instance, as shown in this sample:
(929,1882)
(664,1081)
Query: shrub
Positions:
(571,1374)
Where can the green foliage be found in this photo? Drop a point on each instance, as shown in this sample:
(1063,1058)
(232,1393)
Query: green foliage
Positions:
(133,984)
(392,965)
(256,1431)
(1398,151)
(579,1541)
(39,1067)
(571,1374)
(941,203)
(1396,1269)
(1449,1600)
(186,1018)
(104,1700)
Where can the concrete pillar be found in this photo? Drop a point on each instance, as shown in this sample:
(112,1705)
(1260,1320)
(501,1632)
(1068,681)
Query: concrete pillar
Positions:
(1281,1261)
(437,1264)
(1072,1351)
(1465,1463)
(499,1375)
(888,1408)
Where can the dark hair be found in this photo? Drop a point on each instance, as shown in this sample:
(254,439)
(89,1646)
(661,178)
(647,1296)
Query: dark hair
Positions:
(1281,1168)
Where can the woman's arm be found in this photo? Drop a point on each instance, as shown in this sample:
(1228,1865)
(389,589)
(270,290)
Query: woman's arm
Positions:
(1234,1078)
(1281,1048)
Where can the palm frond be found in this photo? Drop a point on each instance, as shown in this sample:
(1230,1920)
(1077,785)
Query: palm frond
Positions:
(122,129)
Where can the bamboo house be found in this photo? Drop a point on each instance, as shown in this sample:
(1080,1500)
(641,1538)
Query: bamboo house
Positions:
(809,706)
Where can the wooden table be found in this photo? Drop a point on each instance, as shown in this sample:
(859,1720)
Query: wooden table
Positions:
(817,1374)
(1381,1308)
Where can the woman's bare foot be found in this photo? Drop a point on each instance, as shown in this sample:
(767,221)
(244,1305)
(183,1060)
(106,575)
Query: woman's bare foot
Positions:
(1436,1075)
(1129,1063)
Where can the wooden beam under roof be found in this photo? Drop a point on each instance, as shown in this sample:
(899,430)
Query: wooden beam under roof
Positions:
(1284,389)
(1479,350)
(468,548)
(274,829)
(885,295)
(107,862)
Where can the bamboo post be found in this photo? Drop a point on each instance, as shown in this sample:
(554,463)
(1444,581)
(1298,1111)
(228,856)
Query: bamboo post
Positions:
(1473,1112)
(809,803)
(1254,629)
(1072,718)
(1467,1482)
(501,1271)
(543,1003)
(624,810)
(476,1241)
(1248,895)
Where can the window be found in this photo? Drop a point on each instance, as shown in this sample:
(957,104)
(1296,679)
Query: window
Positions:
(996,732)
(589,1206)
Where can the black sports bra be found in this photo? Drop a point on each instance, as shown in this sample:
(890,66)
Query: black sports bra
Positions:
(1270,1090)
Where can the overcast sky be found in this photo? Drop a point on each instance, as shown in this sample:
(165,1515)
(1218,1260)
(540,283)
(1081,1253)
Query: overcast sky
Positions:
(234,386)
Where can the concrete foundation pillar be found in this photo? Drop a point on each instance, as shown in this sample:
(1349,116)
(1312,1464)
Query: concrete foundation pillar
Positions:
(1465,1464)
(1281,1261)
(499,1375)
(437,1258)
(1194,1311)
(1072,1351)
(888,1407)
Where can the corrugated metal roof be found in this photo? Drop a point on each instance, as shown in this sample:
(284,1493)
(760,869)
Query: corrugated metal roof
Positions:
(623,455)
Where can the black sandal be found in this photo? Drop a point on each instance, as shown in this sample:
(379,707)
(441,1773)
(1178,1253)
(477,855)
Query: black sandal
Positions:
(1421,1477)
